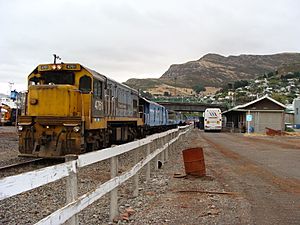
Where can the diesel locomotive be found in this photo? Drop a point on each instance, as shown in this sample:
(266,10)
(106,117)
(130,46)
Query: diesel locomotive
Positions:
(71,109)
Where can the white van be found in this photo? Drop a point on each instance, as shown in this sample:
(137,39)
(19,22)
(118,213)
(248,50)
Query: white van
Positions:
(212,119)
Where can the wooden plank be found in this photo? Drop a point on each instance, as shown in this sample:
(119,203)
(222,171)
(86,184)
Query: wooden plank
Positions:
(63,214)
(71,189)
(13,185)
(114,193)
(148,166)
(97,156)
(136,177)
(17,184)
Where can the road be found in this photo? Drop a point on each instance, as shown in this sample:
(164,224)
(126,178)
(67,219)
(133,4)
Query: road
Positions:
(265,171)
(250,180)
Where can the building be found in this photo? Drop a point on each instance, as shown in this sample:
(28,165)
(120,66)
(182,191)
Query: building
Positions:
(296,104)
(261,113)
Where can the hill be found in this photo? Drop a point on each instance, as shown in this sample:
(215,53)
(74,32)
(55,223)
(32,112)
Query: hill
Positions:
(213,70)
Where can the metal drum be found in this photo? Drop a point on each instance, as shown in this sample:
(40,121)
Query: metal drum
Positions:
(194,162)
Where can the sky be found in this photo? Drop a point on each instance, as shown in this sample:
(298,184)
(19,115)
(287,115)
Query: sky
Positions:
(138,38)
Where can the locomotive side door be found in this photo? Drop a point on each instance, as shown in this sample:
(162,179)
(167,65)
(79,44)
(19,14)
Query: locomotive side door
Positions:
(98,98)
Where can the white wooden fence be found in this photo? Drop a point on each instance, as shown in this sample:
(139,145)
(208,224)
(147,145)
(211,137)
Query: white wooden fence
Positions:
(160,143)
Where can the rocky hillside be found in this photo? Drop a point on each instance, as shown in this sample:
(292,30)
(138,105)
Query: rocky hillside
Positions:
(216,70)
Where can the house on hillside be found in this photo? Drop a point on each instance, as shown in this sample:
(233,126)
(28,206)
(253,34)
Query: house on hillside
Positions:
(261,113)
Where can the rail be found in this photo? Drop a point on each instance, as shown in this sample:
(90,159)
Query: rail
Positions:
(15,165)
(161,142)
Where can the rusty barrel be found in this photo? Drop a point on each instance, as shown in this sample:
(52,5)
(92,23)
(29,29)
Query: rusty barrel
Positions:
(194,161)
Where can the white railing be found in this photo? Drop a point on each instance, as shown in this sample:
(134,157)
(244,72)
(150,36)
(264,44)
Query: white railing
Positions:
(160,143)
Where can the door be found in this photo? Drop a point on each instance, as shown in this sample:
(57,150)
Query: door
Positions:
(97,99)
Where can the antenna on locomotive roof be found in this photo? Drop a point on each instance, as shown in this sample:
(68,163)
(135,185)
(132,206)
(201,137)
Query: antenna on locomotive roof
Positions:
(56,57)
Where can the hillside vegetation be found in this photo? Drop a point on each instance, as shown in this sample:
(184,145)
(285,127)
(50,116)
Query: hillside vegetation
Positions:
(215,70)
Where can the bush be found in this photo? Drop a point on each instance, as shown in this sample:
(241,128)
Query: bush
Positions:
(198,88)
(240,83)
(288,129)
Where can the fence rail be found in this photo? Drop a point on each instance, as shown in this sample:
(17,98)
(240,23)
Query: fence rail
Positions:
(20,183)
(17,184)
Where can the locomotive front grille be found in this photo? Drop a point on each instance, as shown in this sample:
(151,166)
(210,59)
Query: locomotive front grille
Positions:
(58,121)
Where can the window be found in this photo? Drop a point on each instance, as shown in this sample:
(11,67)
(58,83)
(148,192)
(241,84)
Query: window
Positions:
(98,89)
(85,84)
(135,107)
(34,81)
(58,77)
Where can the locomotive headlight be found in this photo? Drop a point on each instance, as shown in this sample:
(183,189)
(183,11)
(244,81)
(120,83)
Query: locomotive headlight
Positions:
(58,67)
(76,129)
(20,128)
(53,67)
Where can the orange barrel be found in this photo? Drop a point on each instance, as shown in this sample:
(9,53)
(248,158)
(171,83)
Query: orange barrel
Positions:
(194,161)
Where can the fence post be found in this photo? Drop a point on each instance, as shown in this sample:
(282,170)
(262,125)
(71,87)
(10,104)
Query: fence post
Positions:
(162,154)
(148,166)
(136,176)
(155,146)
(167,138)
(172,146)
(72,189)
(114,192)
(177,135)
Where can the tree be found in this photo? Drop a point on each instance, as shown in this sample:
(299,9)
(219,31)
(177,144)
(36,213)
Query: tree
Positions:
(198,88)
(271,74)
(146,94)
(167,94)
(279,97)
(240,83)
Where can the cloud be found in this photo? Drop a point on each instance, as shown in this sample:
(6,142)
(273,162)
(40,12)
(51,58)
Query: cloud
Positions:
(139,38)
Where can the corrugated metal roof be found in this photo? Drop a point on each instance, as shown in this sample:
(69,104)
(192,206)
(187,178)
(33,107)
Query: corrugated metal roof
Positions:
(240,107)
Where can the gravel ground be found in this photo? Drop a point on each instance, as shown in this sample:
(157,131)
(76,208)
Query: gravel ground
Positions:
(8,146)
(189,200)
(163,200)
(264,170)
(9,154)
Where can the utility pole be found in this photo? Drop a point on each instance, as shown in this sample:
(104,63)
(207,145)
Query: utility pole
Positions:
(10,84)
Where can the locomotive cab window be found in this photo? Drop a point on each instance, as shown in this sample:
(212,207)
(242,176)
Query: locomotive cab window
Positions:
(58,77)
(34,81)
(85,84)
(98,89)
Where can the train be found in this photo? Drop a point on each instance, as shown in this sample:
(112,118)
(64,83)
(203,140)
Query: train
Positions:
(8,115)
(71,109)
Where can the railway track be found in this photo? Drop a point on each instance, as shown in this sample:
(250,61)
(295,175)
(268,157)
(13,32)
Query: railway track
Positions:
(19,164)
(26,166)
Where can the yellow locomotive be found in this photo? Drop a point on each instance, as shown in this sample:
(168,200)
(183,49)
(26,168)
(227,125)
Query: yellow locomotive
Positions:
(70,109)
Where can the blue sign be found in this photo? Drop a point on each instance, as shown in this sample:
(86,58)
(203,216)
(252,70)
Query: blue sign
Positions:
(249,118)
(13,95)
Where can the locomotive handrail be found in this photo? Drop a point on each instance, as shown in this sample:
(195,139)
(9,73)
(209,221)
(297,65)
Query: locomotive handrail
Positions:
(20,183)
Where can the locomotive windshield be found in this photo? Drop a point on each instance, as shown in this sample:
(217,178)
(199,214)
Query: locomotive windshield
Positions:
(59,77)
(54,77)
